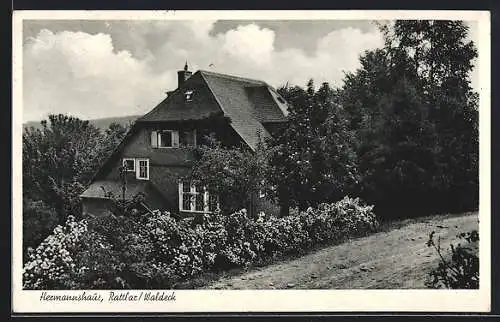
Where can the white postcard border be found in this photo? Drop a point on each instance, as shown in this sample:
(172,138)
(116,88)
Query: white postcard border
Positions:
(25,301)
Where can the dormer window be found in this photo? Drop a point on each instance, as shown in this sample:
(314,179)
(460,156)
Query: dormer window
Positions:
(188,95)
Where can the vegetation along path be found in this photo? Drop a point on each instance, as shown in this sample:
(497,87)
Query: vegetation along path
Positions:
(395,258)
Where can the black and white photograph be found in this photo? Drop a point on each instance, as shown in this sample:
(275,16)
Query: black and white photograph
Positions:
(253,152)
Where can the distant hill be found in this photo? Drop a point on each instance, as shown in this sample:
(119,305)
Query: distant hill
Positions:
(99,123)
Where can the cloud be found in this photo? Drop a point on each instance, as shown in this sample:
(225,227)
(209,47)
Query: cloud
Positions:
(124,68)
(80,74)
(249,44)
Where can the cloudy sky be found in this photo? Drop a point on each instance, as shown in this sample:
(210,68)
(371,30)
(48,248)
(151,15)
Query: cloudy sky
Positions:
(94,69)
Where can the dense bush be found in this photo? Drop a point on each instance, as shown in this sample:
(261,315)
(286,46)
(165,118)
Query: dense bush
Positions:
(462,270)
(39,220)
(59,158)
(154,250)
(415,118)
(52,263)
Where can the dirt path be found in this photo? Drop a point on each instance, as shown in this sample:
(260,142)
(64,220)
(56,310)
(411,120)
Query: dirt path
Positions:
(395,259)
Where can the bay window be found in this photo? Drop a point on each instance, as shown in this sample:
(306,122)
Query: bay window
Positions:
(193,198)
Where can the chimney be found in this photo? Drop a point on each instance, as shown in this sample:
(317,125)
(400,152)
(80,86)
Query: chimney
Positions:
(183,75)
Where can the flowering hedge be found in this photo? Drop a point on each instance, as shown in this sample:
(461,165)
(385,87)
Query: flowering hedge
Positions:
(52,262)
(156,251)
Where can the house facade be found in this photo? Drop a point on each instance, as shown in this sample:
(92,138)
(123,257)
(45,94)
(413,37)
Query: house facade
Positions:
(156,153)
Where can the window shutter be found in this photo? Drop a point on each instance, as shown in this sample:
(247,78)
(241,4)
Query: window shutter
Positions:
(175,139)
(154,139)
(180,195)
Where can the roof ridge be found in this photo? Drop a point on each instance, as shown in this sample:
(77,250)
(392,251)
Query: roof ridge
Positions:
(233,77)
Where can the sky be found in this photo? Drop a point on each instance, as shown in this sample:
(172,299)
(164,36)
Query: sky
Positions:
(97,68)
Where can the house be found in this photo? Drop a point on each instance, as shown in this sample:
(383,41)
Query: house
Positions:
(155,152)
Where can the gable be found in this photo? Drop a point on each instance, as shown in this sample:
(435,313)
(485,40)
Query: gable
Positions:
(249,104)
(175,107)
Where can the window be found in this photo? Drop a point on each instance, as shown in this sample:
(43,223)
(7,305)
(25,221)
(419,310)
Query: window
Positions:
(172,139)
(187,138)
(188,95)
(142,172)
(165,139)
(129,164)
(193,198)
(139,166)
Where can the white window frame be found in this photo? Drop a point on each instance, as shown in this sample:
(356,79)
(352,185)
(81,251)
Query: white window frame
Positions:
(188,95)
(175,139)
(175,135)
(138,169)
(124,161)
(192,202)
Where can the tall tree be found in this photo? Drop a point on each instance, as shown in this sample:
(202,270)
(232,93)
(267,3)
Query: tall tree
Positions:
(312,161)
(415,117)
(58,159)
(443,58)
(113,135)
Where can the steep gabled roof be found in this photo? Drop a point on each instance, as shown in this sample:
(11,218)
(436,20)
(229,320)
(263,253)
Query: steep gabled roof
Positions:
(172,108)
(248,103)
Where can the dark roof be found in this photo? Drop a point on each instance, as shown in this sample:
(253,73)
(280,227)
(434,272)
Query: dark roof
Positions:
(247,102)
(95,190)
(264,104)
(173,109)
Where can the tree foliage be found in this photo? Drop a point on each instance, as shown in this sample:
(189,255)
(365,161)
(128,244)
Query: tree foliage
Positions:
(58,161)
(415,118)
(312,160)
(460,269)
(235,174)
(60,155)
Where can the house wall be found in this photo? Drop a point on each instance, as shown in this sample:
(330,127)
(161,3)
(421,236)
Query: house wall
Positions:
(167,165)
(100,206)
(94,206)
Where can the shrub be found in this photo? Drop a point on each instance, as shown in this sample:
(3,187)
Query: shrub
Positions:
(462,271)
(154,250)
(52,262)
(39,220)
